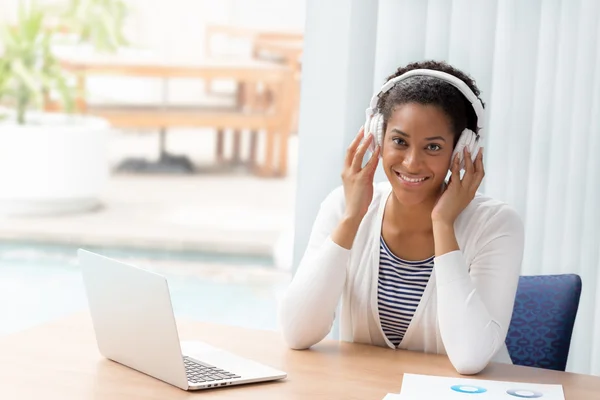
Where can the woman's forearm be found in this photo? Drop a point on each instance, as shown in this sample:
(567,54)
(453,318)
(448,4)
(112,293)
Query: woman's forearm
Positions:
(444,238)
(345,232)
(472,329)
(308,308)
(465,324)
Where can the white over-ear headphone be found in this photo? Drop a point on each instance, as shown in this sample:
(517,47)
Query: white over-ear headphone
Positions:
(468,138)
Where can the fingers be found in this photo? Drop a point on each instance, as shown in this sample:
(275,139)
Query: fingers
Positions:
(353,146)
(479,170)
(455,169)
(469,168)
(360,153)
(371,165)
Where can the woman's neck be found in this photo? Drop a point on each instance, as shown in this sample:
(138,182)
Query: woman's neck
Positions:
(411,218)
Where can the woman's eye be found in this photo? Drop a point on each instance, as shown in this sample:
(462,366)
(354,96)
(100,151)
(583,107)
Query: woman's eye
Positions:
(434,147)
(399,142)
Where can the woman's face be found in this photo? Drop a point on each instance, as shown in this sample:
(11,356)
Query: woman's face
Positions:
(416,152)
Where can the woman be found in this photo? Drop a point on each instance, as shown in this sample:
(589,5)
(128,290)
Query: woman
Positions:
(419,263)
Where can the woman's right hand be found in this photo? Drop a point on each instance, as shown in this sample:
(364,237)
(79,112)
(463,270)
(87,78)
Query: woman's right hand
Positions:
(358,188)
(358,180)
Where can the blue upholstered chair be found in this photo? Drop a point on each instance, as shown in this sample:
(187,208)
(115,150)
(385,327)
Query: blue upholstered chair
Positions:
(540,331)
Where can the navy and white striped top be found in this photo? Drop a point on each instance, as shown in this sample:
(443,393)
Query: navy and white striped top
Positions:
(401,286)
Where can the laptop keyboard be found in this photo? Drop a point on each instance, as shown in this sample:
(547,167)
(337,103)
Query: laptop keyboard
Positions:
(199,372)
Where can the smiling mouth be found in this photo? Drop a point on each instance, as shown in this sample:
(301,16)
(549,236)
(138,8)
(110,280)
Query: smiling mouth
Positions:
(410,180)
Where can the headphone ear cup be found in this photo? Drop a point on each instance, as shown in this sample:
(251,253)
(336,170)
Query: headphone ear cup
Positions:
(377,128)
(367,126)
(463,141)
(468,139)
(475,146)
(374,125)
(371,128)
(367,130)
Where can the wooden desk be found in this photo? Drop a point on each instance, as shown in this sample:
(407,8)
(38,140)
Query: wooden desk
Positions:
(272,118)
(60,361)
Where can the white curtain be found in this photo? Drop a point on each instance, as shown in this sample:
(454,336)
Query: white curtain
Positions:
(537,63)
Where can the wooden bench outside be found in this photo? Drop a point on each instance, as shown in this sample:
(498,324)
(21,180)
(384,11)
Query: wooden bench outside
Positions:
(269,113)
(282,47)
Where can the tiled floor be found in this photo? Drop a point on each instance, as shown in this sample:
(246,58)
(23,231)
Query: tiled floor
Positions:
(228,212)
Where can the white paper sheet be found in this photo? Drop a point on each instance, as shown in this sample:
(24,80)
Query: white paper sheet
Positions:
(417,387)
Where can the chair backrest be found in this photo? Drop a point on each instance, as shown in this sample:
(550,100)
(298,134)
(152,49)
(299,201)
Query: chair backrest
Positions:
(542,322)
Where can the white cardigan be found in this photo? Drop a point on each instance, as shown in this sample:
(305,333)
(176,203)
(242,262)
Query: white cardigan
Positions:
(466,307)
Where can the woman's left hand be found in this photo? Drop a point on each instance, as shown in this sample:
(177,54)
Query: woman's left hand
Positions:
(459,192)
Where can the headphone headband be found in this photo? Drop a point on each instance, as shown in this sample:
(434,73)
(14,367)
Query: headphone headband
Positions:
(456,82)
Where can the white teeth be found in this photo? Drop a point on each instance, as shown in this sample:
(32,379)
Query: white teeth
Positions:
(412,180)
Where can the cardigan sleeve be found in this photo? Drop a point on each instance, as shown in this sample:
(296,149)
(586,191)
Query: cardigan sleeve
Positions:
(475,304)
(307,310)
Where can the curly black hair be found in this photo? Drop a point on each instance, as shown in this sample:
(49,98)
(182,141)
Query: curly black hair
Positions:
(430,90)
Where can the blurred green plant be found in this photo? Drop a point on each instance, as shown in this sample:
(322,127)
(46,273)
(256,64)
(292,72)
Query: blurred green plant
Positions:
(29,71)
(98,22)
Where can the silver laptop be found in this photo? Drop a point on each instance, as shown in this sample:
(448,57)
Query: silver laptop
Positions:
(135,326)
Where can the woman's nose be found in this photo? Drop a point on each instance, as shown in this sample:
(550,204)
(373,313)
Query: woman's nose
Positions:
(412,160)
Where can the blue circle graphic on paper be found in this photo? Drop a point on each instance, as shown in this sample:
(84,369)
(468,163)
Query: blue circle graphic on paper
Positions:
(468,389)
(524,393)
